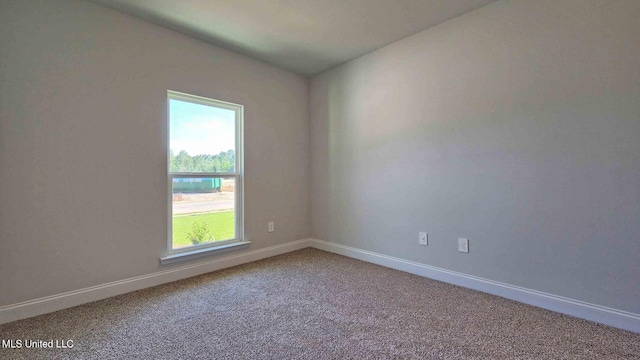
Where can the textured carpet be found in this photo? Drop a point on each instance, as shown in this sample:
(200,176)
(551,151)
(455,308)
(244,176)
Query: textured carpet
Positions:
(310,304)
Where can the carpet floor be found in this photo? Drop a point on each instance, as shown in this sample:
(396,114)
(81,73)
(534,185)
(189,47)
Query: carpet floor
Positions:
(311,304)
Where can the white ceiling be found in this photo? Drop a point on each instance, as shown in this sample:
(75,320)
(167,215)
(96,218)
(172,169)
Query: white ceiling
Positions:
(304,36)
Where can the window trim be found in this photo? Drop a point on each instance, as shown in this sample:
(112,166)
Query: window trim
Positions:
(172,255)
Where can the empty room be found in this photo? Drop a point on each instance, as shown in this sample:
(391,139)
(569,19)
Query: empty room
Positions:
(319,179)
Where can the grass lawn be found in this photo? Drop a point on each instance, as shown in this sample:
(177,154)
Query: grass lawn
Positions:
(220,224)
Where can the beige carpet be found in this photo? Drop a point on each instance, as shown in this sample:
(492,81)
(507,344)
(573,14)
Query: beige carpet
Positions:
(310,304)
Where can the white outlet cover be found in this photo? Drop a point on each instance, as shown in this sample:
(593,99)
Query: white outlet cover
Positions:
(422,238)
(270,226)
(463,245)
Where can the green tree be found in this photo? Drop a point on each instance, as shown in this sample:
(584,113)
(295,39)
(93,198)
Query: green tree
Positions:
(183,162)
(200,233)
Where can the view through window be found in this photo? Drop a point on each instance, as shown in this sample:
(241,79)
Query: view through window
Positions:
(205,153)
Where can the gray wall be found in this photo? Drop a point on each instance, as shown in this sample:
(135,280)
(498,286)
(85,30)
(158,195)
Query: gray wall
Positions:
(516,125)
(83,143)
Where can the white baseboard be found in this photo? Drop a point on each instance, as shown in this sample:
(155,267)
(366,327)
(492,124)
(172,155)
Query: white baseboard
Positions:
(613,317)
(69,299)
(604,315)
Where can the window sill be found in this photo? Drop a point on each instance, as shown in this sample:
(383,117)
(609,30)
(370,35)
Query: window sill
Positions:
(194,254)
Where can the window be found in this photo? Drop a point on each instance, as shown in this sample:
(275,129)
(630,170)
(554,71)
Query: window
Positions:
(204,175)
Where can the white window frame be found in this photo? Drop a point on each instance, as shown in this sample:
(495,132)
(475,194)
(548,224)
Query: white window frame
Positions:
(189,252)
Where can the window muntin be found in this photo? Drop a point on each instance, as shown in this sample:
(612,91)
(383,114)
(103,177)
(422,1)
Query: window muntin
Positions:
(204,172)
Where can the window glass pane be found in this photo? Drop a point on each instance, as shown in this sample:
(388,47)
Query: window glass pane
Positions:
(201,138)
(203,210)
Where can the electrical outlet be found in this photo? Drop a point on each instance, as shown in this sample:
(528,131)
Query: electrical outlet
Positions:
(271,227)
(463,245)
(422,238)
